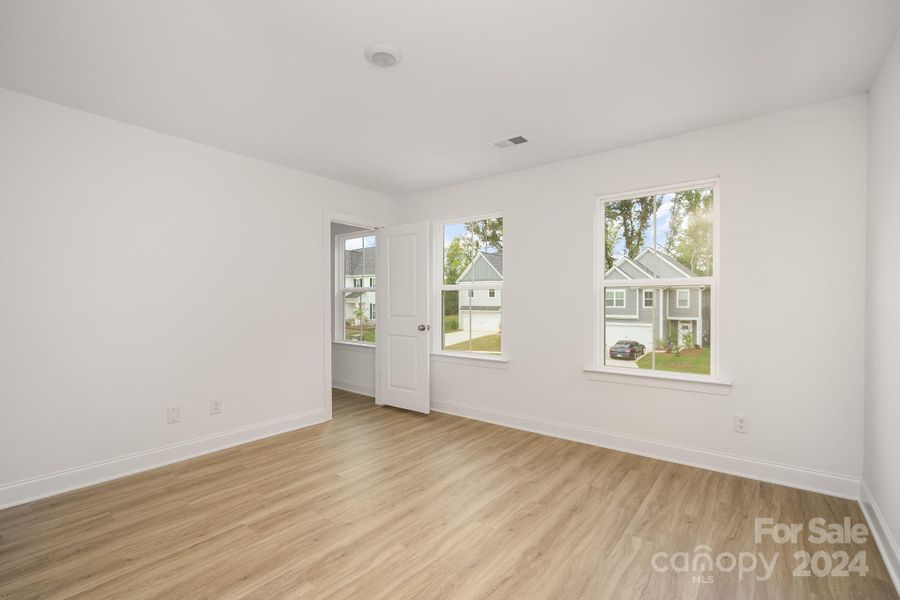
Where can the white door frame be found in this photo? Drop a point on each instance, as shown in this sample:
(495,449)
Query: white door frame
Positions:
(330,217)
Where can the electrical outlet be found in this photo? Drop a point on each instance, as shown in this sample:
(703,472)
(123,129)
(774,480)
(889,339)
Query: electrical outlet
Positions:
(173,414)
(215,407)
(741,423)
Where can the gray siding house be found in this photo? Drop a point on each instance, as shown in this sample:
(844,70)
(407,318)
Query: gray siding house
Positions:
(680,314)
(479,310)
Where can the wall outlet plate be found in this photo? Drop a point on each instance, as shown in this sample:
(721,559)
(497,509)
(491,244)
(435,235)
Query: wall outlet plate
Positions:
(173,414)
(741,423)
(215,407)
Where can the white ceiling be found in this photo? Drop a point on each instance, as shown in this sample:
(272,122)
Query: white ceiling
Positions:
(286,81)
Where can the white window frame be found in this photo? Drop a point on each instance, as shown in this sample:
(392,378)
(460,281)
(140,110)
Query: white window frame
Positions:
(340,287)
(615,297)
(599,370)
(439,287)
(644,298)
(687,293)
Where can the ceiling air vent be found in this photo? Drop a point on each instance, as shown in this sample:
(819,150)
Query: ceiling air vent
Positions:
(509,142)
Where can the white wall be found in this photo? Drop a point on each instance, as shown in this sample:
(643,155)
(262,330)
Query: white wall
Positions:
(882,413)
(352,366)
(140,271)
(792,268)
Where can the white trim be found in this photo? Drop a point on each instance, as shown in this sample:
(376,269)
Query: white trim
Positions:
(366,347)
(356,387)
(678,297)
(712,282)
(438,287)
(608,290)
(668,380)
(470,359)
(843,486)
(75,478)
(884,537)
(644,297)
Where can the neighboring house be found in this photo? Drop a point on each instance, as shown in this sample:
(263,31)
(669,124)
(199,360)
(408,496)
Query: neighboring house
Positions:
(481,308)
(359,271)
(630,312)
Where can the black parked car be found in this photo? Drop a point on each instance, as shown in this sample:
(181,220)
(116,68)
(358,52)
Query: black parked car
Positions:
(626,349)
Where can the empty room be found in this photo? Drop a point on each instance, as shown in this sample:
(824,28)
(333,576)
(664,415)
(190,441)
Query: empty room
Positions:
(511,299)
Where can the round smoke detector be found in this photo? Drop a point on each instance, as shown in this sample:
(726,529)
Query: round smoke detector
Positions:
(382,55)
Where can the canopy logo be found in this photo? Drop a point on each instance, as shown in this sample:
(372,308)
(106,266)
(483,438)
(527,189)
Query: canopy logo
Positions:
(702,562)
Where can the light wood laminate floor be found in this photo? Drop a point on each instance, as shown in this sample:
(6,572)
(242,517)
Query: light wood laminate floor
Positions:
(382,503)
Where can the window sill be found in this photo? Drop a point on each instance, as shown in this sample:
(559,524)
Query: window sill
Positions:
(684,383)
(452,358)
(353,345)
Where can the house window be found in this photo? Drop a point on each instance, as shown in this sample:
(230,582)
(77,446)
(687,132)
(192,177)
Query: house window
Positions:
(615,298)
(354,302)
(469,286)
(660,246)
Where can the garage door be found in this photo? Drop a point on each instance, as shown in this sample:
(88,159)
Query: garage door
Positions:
(633,331)
(482,320)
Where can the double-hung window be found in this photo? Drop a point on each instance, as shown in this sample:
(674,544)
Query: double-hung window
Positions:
(354,300)
(658,280)
(470,285)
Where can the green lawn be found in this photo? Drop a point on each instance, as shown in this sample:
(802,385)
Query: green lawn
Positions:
(691,361)
(451,323)
(366,333)
(487,343)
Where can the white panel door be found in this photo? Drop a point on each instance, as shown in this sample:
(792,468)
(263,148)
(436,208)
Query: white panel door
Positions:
(402,347)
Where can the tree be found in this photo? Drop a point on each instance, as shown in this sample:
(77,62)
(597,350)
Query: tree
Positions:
(690,238)
(632,217)
(456,259)
(613,232)
(486,234)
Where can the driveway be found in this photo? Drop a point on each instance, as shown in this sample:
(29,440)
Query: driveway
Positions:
(455,337)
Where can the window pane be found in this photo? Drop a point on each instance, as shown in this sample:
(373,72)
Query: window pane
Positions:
(471,324)
(473,251)
(664,336)
(628,234)
(359,261)
(359,316)
(663,236)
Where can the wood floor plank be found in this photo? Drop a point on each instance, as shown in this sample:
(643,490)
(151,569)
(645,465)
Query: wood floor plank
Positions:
(383,503)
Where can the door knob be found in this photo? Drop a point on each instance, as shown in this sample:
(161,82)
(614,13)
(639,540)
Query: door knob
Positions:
(424,327)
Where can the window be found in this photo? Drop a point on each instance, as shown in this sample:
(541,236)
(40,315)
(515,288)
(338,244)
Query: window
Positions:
(659,249)
(354,302)
(470,285)
(615,298)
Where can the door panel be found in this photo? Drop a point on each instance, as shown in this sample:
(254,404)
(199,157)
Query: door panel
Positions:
(402,351)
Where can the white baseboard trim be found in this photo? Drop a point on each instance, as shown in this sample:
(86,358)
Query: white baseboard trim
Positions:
(796,477)
(884,538)
(28,490)
(366,389)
